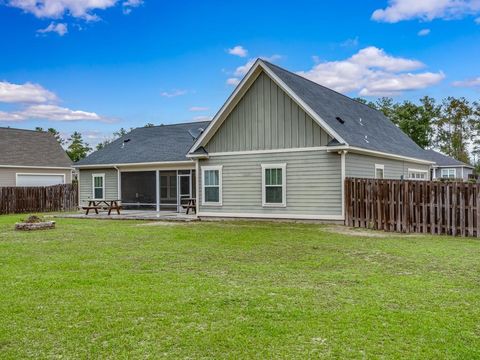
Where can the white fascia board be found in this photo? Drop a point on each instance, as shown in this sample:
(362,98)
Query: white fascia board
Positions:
(379,154)
(160,163)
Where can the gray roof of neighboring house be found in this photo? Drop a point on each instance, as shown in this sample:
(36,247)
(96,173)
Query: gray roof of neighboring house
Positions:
(148,144)
(362,126)
(31,148)
(443,160)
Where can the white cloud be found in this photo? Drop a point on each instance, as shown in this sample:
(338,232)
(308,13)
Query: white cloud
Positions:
(26,93)
(60,28)
(38,103)
(198,108)
(173,93)
(51,113)
(242,70)
(423,32)
(426,10)
(129,4)
(372,72)
(350,42)
(233,81)
(238,51)
(474,82)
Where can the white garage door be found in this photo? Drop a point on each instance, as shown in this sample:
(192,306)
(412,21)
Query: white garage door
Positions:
(39,179)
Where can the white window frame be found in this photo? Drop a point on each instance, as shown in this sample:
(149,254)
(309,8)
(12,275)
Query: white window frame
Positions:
(284,185)
(93,186)
(381,167)
(447,171)
(220,187)
(417,171)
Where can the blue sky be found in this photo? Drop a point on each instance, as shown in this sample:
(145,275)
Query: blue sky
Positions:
(98,65)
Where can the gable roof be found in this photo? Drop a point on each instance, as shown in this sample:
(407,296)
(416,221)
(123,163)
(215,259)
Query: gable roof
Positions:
(444,160)
(162,143)
(360,127)
(31,148)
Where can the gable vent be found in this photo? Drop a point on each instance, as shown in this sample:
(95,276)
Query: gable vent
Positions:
(340,120)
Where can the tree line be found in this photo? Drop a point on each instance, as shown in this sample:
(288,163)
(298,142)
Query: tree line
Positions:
(451,125)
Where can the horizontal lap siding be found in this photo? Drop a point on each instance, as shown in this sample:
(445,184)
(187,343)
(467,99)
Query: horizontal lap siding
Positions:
(313,183)
(266,118)
(111,184)
(8,175)
(363,166)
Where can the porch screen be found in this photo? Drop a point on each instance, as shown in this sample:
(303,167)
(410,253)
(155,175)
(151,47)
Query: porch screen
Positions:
(138,189)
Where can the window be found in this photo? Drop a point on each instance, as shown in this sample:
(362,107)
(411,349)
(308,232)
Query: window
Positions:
(415,174)
(98,182)
(212,185)
(449,173)
(274,185)
(379,171)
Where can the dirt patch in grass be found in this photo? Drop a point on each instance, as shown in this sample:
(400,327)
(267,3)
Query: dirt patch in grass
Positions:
(344,230)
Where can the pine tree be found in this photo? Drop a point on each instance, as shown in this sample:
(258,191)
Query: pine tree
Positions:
(77,148)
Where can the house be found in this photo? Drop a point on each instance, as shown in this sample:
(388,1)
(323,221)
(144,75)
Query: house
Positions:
(32,158)
(448,167)
(279,147)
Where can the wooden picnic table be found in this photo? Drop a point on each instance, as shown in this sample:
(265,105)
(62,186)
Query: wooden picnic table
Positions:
(191,204)
(100,204)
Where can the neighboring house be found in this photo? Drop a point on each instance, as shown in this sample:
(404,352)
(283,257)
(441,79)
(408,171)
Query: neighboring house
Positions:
(279,147)
(32,158)
(448,167)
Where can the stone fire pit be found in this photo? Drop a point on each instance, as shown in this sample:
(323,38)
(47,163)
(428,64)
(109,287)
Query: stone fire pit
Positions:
(34,223)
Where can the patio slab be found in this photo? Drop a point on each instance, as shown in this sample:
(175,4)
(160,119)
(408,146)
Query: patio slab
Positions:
(133,215)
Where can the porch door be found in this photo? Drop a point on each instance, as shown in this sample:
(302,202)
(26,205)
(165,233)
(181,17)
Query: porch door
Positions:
(168,191)
(185,188)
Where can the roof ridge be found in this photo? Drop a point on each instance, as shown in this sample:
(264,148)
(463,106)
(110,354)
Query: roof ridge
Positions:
(177,124)
(323,86)
(29,130)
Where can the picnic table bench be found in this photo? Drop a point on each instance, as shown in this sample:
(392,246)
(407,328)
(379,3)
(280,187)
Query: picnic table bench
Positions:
(191,204)
(102,204)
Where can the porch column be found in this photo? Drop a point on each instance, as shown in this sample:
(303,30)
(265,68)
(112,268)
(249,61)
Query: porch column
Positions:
(157,188)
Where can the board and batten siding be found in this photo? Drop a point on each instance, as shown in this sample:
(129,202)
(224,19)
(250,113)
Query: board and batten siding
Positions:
(85,184)
(8,175)
(363,166)
(266,118)
(313,184)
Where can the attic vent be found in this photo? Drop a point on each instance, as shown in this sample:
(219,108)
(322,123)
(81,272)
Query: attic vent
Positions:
(360,121)
(124,142)
(366,139)
(340,120)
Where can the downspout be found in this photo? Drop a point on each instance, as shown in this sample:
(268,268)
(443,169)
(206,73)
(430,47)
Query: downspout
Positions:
(197,185)
(343,153)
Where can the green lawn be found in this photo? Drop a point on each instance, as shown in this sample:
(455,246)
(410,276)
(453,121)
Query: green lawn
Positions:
(114,289)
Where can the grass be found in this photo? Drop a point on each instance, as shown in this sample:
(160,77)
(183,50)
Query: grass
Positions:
(113,289)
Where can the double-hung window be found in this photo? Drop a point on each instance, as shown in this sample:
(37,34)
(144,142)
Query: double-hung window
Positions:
(274,187)
(449,173)
(212,185)
(98,182)
(379,171)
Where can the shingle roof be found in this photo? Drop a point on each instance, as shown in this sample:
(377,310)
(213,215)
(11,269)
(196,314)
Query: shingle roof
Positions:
(148,144)
(362,126)
(443,160)
(31,148)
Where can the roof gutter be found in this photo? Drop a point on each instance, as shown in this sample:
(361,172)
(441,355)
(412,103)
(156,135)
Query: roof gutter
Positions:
(380,154)
(93,166)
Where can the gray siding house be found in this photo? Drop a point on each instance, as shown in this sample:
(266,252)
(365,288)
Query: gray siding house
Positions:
(32,158)
(279,147)
(446,167)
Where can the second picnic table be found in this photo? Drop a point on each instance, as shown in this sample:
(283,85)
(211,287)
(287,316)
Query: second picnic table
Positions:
(99,204)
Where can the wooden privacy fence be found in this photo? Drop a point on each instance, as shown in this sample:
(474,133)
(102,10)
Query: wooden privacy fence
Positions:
(413,206)
(38,199)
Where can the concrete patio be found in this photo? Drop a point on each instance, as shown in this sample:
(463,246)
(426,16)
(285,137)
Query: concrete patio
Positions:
(148,215)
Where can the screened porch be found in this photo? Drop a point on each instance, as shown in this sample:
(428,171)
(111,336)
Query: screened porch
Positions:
(157,190)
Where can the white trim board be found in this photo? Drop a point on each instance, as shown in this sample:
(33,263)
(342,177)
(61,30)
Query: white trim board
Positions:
(36,167)
(271,216)
(362,151)
(241,89)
